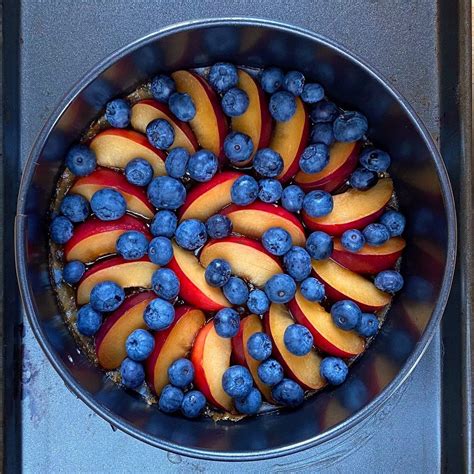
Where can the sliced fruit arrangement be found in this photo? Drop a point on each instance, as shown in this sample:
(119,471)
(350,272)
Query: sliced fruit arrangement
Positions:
(353,209)
(256,218)
(95,238)
(343,158)
(221,251)
(327,336)
(370,259)
(194,288)
(209,124)
(112,335)
(343,284)
(172,344)
(147,110)
(206,199)
(116,148)
(289,139)
(135,197)
(249,326)
(211,358)
(126,273)
(256,122)
(248,258)
(303,369)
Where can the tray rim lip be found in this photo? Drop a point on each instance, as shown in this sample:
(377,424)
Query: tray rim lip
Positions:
(117,421)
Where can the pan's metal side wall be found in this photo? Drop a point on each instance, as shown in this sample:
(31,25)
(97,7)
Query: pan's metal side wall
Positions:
(466,231)
(11,321)
(455,95)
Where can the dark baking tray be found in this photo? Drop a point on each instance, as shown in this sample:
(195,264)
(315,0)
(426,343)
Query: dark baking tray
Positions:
(422,47)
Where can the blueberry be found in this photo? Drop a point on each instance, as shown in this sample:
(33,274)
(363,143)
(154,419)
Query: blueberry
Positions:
(191,234)
(132,245)
(322,132)
(160,251)
(106,296)
(218,226)
(259,346)
(294,82)
(312,289)
(164,224)
(353,240)
(139,345)
(249,405)
(171,399)
(346,314)
(182,106)
(73,271)
(237,381)
(181,373)
(117,113)
(350,127)
(389,281)
(298,340)
(270,190)
(202,166)
(363,179)
(160,134)
(376,234)
(333,370)
(324,111)
(292,198)
(139,172)
(162,87)
(88,320)
(81,160)
(133,373)
(314,158)
(236,291)
(75,207)
(218,272)
(272,79)
(297,263)
(394,221)
(235,102)
(277,241)
(238,147)
(165,283)
(318,203)
(312,93)
(270,372)
(368,325)
(288,393)
(159,314)
(280,288)
(166,193)
(258,302)
(223,76)
(108,204)
(375,160)
(61,230)
(319,245)
(177,162)
(244,190)
(268,163)
(193,404)
(227,322)
(282,106)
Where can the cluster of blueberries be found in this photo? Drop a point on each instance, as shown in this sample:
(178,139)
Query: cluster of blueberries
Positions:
(168,193)
(174,396)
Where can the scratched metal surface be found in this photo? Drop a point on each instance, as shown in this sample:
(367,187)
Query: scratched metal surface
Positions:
(60,42)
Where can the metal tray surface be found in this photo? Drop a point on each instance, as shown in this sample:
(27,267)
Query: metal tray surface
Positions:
(424,427)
